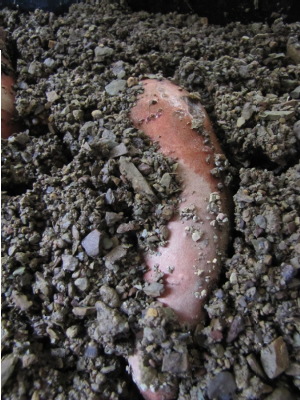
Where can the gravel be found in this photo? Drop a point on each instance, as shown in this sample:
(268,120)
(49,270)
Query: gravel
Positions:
(83,192)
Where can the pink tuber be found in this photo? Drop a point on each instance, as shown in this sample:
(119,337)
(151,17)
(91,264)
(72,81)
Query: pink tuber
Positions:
(199,232)
(8,127)
(7,106)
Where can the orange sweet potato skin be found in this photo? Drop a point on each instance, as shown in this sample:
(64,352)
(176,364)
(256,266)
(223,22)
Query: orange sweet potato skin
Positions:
(167,114)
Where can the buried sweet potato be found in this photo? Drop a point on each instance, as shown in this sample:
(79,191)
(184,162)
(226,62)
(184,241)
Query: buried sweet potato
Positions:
(199,232)
(8,126)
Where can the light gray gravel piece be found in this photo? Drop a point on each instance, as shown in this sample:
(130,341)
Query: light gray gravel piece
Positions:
(91,243)
(70,263)
(115,87)
(8,364)
(139,183)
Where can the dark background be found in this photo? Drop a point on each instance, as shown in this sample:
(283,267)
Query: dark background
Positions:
(217,11)
(224,11)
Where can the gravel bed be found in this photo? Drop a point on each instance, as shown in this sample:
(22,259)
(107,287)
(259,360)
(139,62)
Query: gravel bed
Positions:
(73,226)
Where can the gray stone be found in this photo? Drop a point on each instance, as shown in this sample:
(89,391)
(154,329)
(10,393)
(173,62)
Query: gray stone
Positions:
(110,197)
(261,245)
(119,150)
(70,263)
(78,114)
(166,180)
(115,87)
(296,129)
(83,311)
(139,183)
(28,360)
(154,289)
(91,243)
(280,394)
(240,122)
(110,322)
(52,96)
(293,370)
(111,217)
(114,255)
(222,386)
(244,71)
(275,358)
(275,115)
(72,331)
(49,62)
(21,301)
(118,69)
(175,363)
(82,283)
(96,114)
(255,366)
(101,52)
(33,67)
(8,364)
(260,221)
(86,129)
(91,351)
(41,285)
(248,111)
(128,227)
(293,50)
(295,94)
(236,327)
(110,296)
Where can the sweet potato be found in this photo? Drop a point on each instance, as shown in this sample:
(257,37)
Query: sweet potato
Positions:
(199,232)
(8,126)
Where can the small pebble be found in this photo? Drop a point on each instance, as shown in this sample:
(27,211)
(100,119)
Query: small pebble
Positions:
(102,52)
(115,87)
(275,358)
(49,62)
(72,331)
(175,363)
(96,114)
(91,243)
(110,296)
(154,289)
(222,386)
(281,394)
(52,96)
(69,263)
(82,284)
(237,326)
(8,364)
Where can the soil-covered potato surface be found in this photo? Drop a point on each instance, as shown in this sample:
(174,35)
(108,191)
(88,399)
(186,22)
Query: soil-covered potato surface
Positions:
(74,227)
